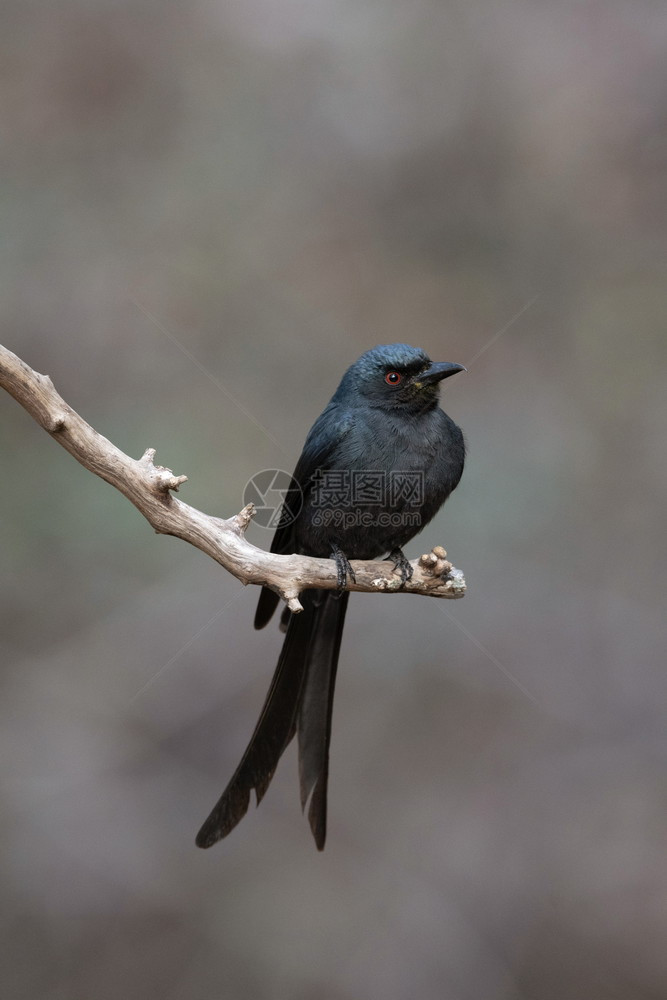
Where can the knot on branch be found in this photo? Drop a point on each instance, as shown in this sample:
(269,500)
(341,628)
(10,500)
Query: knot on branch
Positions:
(55,422)
(435,562)
(239,522)
(291,598)
(162,479)
(437,575)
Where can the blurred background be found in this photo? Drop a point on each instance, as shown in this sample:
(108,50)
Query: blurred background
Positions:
(209,211)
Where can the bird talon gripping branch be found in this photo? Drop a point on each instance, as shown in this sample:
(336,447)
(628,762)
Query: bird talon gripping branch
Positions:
(343,569)
(402,564)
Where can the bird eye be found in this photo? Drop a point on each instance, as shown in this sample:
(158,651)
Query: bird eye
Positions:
(393,378)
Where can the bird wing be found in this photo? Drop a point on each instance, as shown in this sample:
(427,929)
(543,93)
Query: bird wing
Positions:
(323,439)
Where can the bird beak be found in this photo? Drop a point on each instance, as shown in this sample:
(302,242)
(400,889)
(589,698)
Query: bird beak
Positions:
(436,371)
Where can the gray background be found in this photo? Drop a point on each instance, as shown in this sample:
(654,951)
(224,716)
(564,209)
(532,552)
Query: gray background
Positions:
(209,210)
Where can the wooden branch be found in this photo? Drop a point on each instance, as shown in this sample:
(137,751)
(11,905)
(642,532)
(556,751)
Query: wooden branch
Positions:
(149,487)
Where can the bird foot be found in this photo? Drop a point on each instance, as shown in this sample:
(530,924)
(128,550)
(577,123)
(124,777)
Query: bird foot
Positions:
(343,569)
(401,564)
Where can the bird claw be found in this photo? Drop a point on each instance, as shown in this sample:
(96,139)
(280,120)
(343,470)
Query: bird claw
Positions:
(343,569)
(402,564)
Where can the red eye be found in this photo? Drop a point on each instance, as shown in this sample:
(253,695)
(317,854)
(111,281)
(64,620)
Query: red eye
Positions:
(393,378)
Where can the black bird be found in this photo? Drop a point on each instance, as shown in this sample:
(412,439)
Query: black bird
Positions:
(376,466)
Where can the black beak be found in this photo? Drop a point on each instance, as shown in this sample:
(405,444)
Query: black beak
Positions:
(438,370)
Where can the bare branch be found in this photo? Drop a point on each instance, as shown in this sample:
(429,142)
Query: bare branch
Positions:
(149,487)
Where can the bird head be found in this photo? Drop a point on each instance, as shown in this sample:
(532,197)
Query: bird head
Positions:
(395,376)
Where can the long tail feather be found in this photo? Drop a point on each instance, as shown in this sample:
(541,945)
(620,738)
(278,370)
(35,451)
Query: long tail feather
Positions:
(267,604)
(316,705)
(273,732)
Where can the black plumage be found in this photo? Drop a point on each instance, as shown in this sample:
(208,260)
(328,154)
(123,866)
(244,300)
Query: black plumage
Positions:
(383,426)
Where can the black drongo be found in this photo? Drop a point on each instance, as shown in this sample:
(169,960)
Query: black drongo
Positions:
(376,466)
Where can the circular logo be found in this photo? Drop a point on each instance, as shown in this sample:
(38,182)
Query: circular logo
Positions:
(276,496)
